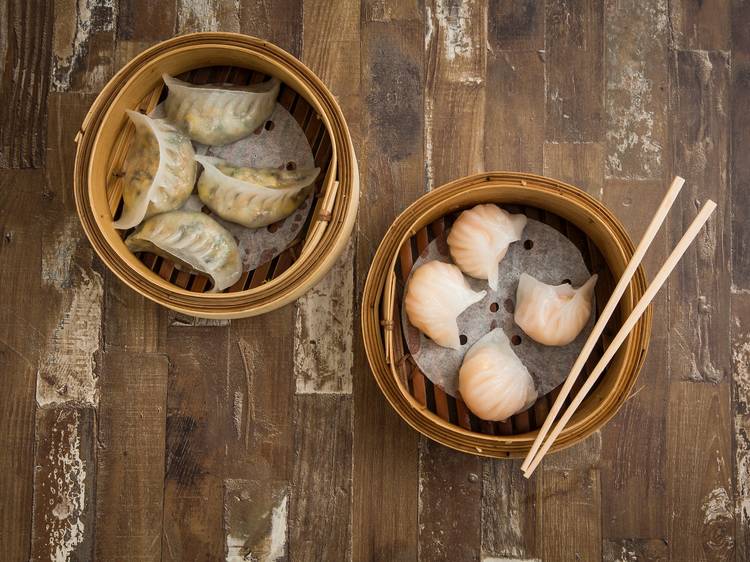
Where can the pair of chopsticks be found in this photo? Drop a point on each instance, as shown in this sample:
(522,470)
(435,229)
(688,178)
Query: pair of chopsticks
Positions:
(540,445)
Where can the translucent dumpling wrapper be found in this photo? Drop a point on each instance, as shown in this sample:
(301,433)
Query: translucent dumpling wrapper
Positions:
(194,241)
(252,197)
(435,295)
(493,381)
(553,314)
(159,171)
(480,237)
(218,114)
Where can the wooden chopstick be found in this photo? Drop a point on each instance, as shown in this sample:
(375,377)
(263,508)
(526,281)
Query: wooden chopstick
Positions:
(626,328)
(606,314)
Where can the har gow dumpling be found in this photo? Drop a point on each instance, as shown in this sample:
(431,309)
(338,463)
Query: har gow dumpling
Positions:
(159,170)
(553,314)
(435,296)
(218,114)
(493,381)
(196,243)
(480,238)
(252,197)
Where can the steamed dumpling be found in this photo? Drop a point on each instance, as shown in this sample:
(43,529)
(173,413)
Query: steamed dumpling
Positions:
(217,114)
(159,170)
(436,294)
(480,238)
(492,381)
(553,314)
(252,197)
(196,243)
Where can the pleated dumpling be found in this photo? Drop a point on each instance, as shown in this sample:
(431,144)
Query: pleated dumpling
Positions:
(553,314)
(252,197)
(159,170)
(196,243)
(435,295)
(217,114)
(493,381)
(480,237)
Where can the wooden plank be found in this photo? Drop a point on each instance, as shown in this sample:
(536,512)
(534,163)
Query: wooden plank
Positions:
(699,327)
(193,487)
(26,38)
(634,442)
(322,479)
(64,489)
(138,21)
(20,340)
(699,491)
(509,511)
(83,45)
(580,164)
(701,25)
(207,15)
(455,53)
(70,274)
(258,434)
(278,21)
(637,88)
(515,26)
(385,449)
(130,455)
(741,409)
(575,77)
(454,94)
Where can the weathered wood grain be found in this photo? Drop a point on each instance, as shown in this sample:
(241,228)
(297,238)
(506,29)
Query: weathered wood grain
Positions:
(699,491)
(83,45)
(634,442)
(574,65)
(741,408)
(71,276)
(699,286)
(130,456)
(385,449)
(26,38)
(64,485)
(634,550)
(637,94)
(207,15)
(701,25)
(580,164)
(454,90)
(278,21)
(515,26)
(322,479)
(193,486)
(20,339)
(146,21)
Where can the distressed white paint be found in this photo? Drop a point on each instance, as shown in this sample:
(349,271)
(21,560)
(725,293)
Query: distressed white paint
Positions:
(717,506)
(741,378)
(277,549)
(255,521)
(76,21)
(208,15)
(57,255)
(495,559)
(634,104)
(67,372)
(456,32)
(454,20)
(66,486)
(324,324)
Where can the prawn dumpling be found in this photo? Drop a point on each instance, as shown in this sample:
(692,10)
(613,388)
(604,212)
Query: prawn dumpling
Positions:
(435,296)
(159,170)
(196,243)
(218,114)
(553,314)
(252,197)
(480,237)
(493,381)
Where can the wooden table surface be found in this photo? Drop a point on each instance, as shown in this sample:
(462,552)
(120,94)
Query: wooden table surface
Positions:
(132,433)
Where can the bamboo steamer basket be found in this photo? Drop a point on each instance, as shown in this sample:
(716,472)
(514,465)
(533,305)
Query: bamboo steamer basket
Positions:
(605,247)
(105,136)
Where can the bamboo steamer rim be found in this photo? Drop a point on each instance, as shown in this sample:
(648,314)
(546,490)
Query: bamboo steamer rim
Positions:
(381,280)
(328,235)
